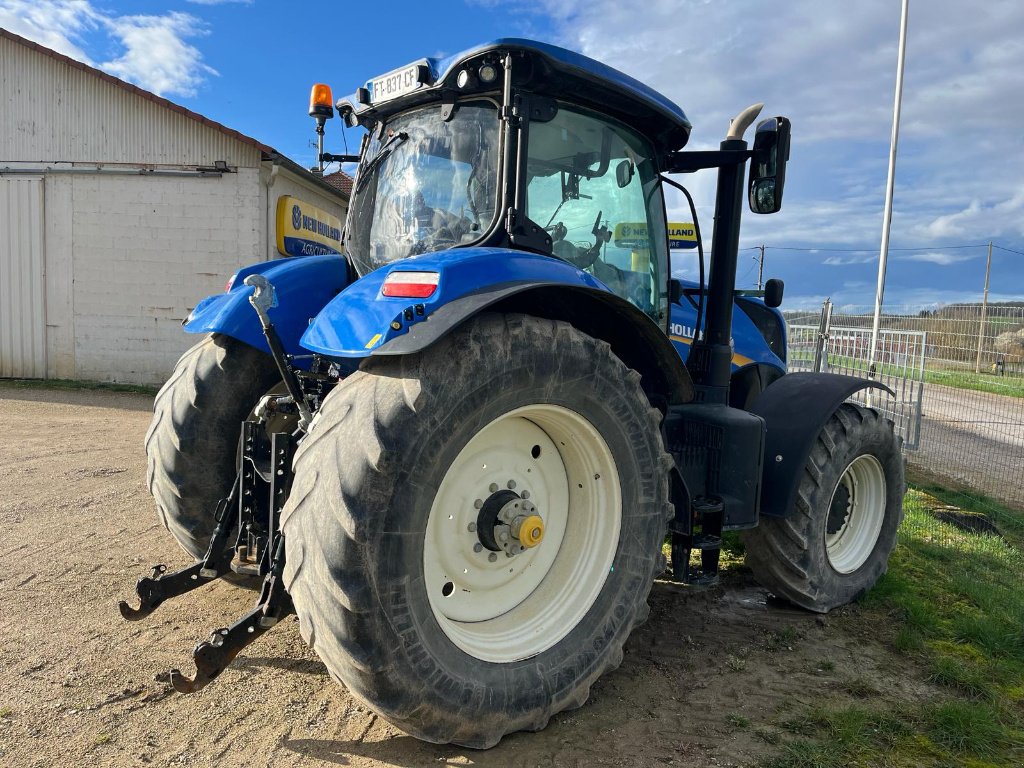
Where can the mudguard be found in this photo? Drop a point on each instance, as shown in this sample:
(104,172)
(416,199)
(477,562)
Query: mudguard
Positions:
(362,322)
(303,286)
(795,408)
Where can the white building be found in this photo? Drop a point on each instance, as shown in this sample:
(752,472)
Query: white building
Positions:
(119,210)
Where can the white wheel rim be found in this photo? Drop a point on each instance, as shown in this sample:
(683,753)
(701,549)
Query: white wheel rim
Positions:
(849,546)
(504,609)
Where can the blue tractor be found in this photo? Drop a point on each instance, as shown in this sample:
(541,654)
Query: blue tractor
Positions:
(465,442)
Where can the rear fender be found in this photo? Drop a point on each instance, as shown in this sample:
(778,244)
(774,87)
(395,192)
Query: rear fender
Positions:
(303,286)
(795,408)
(361,322)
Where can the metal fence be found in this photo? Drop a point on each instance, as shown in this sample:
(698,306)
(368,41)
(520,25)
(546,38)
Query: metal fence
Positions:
(899,365)
(959,381)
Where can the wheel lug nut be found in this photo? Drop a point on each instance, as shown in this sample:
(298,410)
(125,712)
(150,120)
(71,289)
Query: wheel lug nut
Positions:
(526,494)
(478,503)
(493,487)
(492,557)
(478,547)
(471,527)
(511,484)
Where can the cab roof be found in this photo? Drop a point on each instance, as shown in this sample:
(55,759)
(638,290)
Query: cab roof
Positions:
(559,73)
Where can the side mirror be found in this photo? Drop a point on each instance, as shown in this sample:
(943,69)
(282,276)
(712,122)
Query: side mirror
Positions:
(768,166)
(624,173)
(773,290)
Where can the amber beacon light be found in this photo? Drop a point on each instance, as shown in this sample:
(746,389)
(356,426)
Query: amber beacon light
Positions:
(321,104)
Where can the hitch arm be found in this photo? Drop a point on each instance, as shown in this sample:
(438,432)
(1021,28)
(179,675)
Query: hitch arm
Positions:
(153,590)
(214,655)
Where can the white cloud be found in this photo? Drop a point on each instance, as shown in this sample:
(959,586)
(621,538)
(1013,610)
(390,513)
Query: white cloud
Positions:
(58,24)
(157,57)
(942,258)
(842,261)
(221,2)
(154,53)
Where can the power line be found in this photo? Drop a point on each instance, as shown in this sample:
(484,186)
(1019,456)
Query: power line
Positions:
(1009,250)
(872,250)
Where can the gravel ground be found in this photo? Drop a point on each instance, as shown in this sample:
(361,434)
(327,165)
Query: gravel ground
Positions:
(704,682)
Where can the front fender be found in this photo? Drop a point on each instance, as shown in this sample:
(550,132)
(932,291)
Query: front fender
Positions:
(303,286)
(795,408)
(361,321)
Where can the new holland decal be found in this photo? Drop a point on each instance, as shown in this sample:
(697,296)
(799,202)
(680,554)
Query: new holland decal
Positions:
(304,230)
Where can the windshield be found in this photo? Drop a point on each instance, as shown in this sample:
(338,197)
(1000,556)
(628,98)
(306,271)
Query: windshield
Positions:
(425,184)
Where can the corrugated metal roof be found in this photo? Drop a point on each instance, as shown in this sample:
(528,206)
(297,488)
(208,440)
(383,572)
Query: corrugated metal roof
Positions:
(23,88)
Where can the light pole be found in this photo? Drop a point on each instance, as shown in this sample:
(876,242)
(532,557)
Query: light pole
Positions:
(883,255)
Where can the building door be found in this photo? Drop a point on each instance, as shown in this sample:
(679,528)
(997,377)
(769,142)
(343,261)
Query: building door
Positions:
(22,276)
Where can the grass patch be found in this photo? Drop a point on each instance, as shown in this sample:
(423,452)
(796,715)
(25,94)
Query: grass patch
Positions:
(6,711)
(859,688)
(737,721)
(979,382)
(955,600)
(76,384)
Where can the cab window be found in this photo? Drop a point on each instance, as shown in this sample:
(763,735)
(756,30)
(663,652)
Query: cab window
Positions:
(593,186)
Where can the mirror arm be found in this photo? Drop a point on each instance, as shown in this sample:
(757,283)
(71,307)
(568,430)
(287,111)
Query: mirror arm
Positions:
(688,162)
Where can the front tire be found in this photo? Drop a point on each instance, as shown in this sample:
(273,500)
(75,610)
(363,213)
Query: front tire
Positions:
(836,543)
(448,639)
(192,442)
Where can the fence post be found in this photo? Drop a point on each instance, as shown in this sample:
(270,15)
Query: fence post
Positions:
(820,347)
(984,309)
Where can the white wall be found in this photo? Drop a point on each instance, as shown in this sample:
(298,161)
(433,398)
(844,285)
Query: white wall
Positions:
(140,252)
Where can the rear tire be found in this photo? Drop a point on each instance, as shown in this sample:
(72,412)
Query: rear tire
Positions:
(383,564)
(836,544)
(192,441)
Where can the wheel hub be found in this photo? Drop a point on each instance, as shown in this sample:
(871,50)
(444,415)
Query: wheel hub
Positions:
(509,522)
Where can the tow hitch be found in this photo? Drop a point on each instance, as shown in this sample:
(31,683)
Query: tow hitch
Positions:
(250,513)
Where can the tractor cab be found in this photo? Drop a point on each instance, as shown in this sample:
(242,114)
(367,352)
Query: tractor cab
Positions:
(517,145)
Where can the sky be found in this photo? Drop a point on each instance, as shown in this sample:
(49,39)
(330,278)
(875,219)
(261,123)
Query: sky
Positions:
(828,65)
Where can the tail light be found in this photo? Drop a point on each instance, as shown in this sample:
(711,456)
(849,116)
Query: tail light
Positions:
(410,285)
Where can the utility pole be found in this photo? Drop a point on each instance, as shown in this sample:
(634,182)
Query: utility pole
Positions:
(883,255)
(984,309)
(760,269)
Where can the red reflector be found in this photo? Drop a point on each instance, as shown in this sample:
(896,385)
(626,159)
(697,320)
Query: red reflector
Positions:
(230,283)
(410,285)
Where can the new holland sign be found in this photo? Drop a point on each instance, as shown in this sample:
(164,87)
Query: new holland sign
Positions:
(680,236)
(304,230)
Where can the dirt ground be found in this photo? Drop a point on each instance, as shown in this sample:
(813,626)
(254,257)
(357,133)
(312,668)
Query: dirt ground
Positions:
(705,682)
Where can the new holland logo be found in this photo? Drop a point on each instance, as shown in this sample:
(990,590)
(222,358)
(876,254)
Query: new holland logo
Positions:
(305,230)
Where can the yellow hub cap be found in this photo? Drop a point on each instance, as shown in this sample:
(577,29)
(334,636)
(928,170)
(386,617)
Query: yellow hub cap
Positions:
(530,531)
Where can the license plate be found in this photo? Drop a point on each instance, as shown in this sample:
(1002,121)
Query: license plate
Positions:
(395,84)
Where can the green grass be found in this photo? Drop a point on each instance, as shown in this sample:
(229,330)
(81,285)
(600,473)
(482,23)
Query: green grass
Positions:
(980,382)
(954,602)
(76,384)
(985,381)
